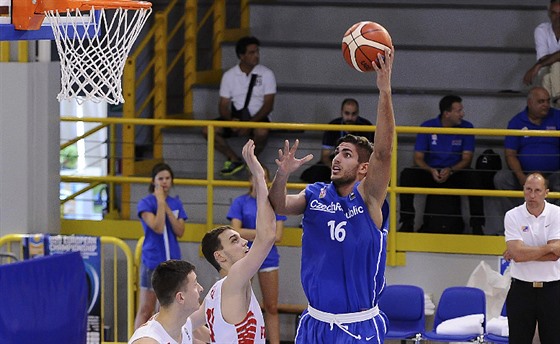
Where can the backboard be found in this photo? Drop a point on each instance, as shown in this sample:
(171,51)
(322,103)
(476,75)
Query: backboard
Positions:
(8,31)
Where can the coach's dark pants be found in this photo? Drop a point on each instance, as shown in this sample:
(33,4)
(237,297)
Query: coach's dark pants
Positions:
(527,305)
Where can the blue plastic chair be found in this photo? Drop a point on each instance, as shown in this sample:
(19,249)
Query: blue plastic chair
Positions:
(494,338)
(457,302)
(404,306)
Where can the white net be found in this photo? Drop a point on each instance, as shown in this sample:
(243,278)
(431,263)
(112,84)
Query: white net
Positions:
(93,48)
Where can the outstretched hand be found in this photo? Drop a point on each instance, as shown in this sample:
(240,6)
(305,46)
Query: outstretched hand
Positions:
(287,161)
(251,159)
(384,69)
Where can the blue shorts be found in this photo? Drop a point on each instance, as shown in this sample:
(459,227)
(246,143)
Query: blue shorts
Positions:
(313,331)
(272,261)
(146,277)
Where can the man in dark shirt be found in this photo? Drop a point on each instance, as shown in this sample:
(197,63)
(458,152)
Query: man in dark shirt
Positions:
(349,114)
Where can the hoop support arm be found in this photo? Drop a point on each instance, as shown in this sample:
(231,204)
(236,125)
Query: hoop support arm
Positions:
(29,14)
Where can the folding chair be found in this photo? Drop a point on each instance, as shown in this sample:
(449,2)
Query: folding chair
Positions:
(404,306)
(456,302)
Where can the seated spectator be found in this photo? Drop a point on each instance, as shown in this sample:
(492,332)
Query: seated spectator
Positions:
(547,46)
(443,161)
(527,154)
(349,114)
(247,93)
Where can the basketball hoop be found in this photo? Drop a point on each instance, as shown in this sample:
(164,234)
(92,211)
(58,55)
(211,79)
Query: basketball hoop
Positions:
(93,46)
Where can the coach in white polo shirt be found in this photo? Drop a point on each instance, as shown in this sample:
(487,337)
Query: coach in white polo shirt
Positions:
(247,93)
(532,233)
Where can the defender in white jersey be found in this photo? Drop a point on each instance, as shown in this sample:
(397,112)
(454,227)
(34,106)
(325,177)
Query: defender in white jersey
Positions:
(230,309)
(344,230)
(153,332)
(178,293)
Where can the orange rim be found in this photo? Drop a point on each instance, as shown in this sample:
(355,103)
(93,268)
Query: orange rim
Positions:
(86,5)
(29,16)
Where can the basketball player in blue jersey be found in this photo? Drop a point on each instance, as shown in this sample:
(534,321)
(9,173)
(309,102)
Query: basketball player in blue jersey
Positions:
(345,226)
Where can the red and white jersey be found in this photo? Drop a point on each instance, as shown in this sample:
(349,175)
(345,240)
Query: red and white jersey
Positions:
(153,329)
(251,330)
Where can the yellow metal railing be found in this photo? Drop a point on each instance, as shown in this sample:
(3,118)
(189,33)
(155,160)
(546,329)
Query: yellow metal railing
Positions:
(12,243)
(156,44)
(111,208)
(399,243)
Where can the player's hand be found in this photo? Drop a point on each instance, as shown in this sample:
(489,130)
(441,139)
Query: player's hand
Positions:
(383,71)
(251,159)
(287,161)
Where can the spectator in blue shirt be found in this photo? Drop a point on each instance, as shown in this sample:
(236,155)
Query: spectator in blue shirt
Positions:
(443,161)
(527,154)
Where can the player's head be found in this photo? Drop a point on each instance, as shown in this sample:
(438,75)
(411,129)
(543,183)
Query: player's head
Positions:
(351,159)
(535,190)
(161,174)
(350,110)
(175,280)
(538,103)
(363,146)
(247,50)
(223,245)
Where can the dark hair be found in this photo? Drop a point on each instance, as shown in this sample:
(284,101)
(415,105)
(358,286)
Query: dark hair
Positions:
(242,43)
(350,101)
(363,146)
(446,103)
(168,279)
(157,169)
(211,243)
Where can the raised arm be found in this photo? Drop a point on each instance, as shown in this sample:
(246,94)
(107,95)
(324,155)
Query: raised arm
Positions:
(242,271)
(374,187)
(287,162)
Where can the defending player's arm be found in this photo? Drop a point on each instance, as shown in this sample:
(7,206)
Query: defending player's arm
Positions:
(197,317)
(247,234)
(243,270)
(374,186)
(287,163)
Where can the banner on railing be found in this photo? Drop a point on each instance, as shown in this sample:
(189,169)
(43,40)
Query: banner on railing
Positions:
(38,245)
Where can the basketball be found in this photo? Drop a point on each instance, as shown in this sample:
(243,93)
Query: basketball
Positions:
(361,44)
